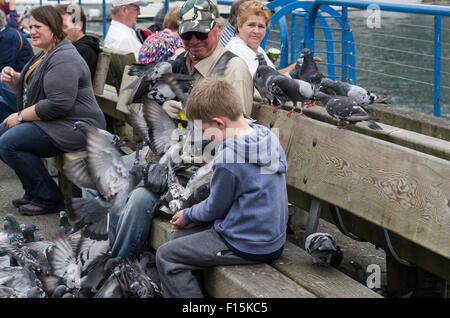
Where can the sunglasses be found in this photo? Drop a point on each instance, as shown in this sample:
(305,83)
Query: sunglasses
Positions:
(199,35)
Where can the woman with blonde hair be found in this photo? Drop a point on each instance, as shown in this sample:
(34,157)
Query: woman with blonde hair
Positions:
(54,90)
(252,22)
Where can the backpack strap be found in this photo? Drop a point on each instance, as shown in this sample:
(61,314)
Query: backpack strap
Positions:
(21,40)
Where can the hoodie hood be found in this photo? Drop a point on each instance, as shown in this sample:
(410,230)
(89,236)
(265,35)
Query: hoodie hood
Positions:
(261,147)
(90,41)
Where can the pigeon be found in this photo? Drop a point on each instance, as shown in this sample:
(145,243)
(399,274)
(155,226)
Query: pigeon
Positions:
(309,71)
(13,231)
(36,292)
(196,190)
(129,281)
(71,256)
(96,274)
(289,89)
(29,235)
(112,180)
(60,291)
(356,93)
(345,109)
(64,225)
(262,80)
(150,82)
(322,247)
(24,255)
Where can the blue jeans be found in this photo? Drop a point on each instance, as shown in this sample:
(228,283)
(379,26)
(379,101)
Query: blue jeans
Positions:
(22,148)
(132,226)
(8,103)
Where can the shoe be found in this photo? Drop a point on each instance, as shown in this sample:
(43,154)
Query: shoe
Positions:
(33,209)
(20,201)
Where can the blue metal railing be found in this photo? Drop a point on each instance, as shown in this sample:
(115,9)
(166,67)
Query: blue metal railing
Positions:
(312,14)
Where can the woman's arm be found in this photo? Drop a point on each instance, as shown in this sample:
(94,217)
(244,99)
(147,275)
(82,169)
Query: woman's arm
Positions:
(10,77)
(28,114)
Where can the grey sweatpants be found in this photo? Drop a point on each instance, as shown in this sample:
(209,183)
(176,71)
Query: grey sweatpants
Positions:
(188,250)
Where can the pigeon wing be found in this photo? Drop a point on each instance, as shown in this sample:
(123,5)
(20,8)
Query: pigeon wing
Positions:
(77,171)
(139,125)
(61,255)
(161,127)
(106,165)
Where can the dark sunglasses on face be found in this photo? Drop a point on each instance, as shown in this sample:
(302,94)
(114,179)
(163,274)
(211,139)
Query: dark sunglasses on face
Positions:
(199,35)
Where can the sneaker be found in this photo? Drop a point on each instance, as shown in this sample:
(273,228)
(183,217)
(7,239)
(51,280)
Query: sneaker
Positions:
(33,209)
(20,201)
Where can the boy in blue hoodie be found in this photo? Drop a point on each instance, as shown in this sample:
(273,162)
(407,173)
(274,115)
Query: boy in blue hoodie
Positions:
(247,205)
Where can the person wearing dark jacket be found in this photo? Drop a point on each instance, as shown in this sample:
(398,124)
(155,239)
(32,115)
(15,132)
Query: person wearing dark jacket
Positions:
(74,26)
(15,52)
(54,90)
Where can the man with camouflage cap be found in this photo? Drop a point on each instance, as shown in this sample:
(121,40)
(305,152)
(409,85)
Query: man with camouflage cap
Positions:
(200,29)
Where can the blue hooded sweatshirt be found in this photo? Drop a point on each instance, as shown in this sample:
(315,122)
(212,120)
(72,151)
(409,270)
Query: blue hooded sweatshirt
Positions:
(248,200)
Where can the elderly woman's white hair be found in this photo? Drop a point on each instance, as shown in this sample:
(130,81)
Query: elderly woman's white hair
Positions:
(3,21)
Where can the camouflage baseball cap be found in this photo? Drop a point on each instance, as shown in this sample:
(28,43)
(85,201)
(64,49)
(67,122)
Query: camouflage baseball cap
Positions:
(197,16)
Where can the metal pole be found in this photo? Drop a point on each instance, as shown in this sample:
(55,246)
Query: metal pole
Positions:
(345,52)
(104,18)
(437,65)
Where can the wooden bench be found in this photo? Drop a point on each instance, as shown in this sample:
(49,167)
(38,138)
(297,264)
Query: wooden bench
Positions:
(291,276)
(390,188)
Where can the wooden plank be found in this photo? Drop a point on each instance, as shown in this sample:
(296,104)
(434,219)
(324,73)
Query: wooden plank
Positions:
(254,281)
(416,254)
(235,281)
(403,190)
(125,93)
(101,72)
(325,282)
(119,60)
(410,139)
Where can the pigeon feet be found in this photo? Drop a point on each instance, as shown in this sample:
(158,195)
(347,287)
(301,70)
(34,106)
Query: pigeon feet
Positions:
(275,109)
(310,104)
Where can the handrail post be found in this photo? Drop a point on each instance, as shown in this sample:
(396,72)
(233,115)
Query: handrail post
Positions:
(437,65)
(104,18)
(345,51)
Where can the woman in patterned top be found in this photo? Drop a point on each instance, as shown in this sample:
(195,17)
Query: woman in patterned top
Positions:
(161,45)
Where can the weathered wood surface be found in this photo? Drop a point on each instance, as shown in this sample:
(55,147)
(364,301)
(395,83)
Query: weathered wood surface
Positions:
(101,72)
(397,188)
(410,139)
(119,60)
(125,93)
(258,280)
(289,276)
(325,282)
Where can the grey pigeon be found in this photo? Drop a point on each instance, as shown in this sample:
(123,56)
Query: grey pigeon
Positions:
(36,292)
(96,274)
(289,89)
(262,81)
(356,93)
(29,235)
(12,228)
(112,180)
(322,247)
(60,291)
(346,110)
(64,224)
(24,255)
(129,281)
(309,72)
(150,82)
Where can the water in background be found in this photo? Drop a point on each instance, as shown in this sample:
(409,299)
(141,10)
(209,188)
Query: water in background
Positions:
(395,59)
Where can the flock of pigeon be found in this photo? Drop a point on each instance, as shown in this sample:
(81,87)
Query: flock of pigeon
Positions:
(343,101)
(70,266)
(77,263)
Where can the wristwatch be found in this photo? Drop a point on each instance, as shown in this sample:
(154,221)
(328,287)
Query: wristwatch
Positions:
(19,116)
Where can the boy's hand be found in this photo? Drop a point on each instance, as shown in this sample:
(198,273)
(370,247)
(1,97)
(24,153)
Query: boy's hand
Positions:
(178,222)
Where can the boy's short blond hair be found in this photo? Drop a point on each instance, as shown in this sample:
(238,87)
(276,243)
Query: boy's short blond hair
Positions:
(213,97)
(172,19)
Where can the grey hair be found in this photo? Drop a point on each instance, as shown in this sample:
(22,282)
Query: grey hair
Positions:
(3,22)
(115,10)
